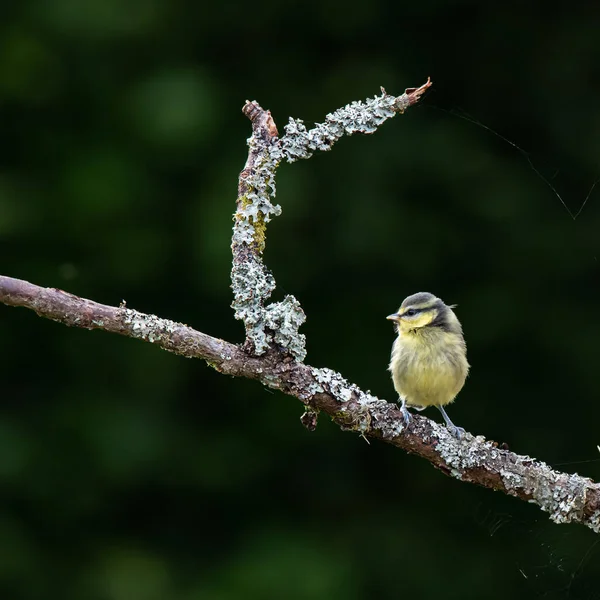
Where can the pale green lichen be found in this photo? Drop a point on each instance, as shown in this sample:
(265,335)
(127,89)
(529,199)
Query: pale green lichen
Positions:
(284,319)
(255,208)
(561,495)
(252,285)
(271,381)
(336,385)
(251,281)
(364,413)
(461,454)
(357,117)
(149,327)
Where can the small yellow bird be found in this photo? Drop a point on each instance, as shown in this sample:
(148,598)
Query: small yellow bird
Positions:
(429,357)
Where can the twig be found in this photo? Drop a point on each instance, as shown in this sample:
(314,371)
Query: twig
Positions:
(251,281)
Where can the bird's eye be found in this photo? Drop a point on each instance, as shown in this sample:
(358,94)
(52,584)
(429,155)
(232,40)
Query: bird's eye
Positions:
(411,312)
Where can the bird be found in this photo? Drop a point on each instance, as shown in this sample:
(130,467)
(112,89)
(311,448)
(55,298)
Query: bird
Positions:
(429,357)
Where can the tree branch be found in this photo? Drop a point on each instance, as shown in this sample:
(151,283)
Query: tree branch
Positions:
(566,497)
(274,350)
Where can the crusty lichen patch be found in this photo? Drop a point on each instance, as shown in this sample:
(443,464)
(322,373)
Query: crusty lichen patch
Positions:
(561,495)
(255,208)
(149,328)
(357,117)
(367,411)
(284,320)
(252,283)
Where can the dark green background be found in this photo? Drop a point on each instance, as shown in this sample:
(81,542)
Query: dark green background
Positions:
(127,473)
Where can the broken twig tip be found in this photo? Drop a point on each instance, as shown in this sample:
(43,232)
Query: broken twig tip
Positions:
(414,94)
(252,109)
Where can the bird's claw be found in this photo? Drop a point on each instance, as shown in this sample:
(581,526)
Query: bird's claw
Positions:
(455,431)
(406,416)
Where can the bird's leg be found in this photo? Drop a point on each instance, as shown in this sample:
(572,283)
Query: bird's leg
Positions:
(457,432)
(405,414)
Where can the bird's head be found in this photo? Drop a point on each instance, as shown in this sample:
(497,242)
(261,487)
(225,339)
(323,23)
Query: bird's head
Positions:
(424,310)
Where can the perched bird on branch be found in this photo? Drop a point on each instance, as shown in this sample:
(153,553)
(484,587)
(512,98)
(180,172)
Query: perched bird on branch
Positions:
(429,357)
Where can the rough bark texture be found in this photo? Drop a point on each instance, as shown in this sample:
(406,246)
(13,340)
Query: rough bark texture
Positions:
(274,349)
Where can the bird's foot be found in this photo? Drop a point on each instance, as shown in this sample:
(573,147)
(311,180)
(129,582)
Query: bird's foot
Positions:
(406,415)
(455,431)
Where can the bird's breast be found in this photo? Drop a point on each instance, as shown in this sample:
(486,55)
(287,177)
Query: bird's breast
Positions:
(429,369)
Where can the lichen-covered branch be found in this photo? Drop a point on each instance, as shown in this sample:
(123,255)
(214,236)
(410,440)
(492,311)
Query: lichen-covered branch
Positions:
(567,498)
(274,349)
(357,117)
(252,283)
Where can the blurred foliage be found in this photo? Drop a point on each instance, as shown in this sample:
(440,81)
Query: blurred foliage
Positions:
(131,474)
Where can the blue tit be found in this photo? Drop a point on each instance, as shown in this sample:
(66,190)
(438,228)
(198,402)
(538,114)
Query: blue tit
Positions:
(429,357)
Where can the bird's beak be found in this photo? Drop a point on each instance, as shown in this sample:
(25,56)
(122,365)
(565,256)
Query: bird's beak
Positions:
(393,317)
